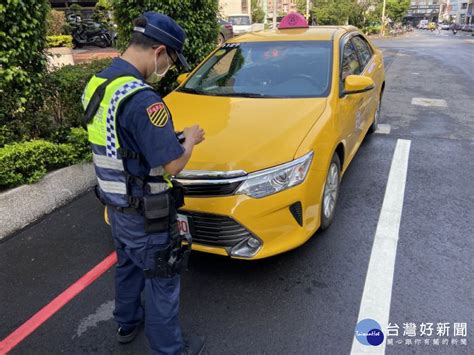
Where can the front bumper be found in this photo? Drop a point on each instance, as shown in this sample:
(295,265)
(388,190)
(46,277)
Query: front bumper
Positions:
(222,222)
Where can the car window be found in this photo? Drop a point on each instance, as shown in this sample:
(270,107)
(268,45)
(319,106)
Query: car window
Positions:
(363,49)
(266,69)
(350,61)
(239,20)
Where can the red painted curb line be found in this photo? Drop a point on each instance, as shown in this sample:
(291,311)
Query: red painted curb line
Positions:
(24,330)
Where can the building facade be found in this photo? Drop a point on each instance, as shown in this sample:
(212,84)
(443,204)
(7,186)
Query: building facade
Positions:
(233,7)
(423,10)
(458,11)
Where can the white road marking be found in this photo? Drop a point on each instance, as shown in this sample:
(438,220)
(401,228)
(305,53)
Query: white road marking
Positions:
(383,128)
(377,295)
(102,314)
(415,73)
(421,101)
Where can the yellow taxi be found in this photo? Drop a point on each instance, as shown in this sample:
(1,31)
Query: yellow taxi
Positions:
(284,111)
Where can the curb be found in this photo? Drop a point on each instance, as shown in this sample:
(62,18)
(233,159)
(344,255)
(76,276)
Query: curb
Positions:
(25,204)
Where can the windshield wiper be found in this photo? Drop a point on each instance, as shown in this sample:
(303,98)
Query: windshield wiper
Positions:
(192,91)
(244,94)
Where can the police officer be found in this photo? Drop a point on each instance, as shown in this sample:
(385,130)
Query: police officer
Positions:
(135,151)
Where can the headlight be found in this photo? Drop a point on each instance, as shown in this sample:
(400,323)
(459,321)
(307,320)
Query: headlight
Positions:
(279,178)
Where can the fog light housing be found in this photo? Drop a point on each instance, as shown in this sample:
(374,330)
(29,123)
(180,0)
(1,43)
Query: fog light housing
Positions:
(247,248)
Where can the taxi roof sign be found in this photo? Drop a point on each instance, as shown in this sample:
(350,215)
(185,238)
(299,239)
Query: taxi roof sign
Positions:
(293,20)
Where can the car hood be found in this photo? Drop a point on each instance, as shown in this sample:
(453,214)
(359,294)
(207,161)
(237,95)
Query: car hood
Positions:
(244,133)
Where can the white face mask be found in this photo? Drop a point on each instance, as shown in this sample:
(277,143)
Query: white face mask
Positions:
(156,77)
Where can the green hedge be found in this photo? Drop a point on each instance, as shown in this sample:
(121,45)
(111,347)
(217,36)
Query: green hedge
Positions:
(59,41)
(22,58)
(63,91)
(27,162)
(372,29)
(197,17)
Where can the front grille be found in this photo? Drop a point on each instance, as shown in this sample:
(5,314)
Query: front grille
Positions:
(216,231)
(211,189)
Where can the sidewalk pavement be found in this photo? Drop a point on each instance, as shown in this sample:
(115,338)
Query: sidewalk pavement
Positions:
(25,204)
(87,54)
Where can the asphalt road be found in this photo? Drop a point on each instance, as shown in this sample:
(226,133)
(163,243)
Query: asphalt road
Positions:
(305,301)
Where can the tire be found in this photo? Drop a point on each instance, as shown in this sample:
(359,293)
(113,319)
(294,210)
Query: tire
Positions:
(102,43)
(220,40)
(373,127)
(331,192)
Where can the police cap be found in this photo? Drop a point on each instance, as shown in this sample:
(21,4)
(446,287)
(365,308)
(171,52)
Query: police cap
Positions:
(165,30)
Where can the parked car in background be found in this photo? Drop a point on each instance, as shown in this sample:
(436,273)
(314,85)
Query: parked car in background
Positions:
(423,25)
(226,31)
(241,23)
(445,26)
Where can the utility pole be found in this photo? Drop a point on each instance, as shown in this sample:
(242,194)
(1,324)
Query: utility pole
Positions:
(383,18)
(274,3)
(307,10)
(265,10)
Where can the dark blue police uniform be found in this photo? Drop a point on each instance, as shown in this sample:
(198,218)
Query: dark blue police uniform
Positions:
(135,248)
(132,138)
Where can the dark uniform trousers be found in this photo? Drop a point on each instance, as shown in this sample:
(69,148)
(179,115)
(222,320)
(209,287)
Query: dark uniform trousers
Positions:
(135,252)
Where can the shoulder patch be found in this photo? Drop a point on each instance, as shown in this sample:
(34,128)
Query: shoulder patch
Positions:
(158,114)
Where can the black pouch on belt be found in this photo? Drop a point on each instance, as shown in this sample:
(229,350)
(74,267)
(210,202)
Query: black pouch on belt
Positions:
(177,192)
(156,209)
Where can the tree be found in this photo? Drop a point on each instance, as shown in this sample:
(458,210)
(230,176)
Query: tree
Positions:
(197,17)
(396,9)
(23,27)
(257,12)
(333,12)
(301,6)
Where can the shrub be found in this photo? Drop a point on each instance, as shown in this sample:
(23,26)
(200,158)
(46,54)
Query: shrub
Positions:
(56,22)
(102,10)
(6,136)
(63,91)
(197,17)
(27,162)
(369,30)
(59,41)
(79,139)
(22,59)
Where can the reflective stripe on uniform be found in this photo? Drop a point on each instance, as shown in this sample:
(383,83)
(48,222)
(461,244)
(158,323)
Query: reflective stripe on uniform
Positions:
(157,187)
(102,129)
(120,93)
(106,162)
(113,187)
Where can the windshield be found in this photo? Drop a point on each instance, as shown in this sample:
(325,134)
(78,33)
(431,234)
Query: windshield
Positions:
(265,69)
(239,20)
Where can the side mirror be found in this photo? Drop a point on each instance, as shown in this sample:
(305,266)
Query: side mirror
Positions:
(182,77)
(355,84)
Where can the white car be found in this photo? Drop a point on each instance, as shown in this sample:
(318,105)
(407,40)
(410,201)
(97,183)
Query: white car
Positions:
(241,23)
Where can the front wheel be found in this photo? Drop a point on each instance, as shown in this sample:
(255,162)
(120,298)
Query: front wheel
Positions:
(331,192)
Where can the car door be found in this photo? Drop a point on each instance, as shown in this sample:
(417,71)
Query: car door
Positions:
(348,113)
(368,68)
